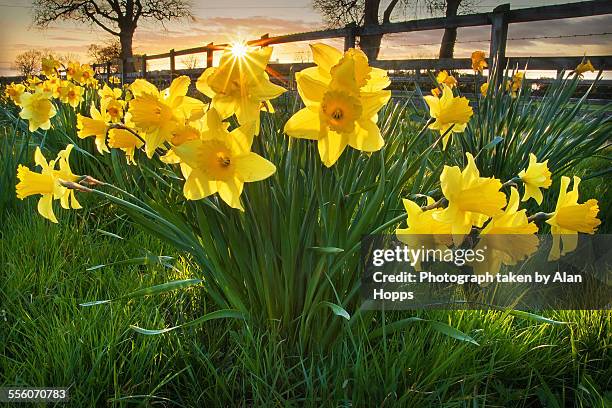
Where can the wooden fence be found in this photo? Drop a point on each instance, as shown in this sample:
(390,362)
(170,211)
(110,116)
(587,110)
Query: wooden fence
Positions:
(499,20)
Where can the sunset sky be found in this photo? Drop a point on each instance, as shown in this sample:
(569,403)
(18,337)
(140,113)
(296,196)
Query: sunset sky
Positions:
(223,21)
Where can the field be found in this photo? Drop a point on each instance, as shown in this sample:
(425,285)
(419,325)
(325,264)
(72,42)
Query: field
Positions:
(266,297)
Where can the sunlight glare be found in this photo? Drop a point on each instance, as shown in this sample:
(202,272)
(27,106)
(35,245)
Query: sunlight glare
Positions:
(239,50)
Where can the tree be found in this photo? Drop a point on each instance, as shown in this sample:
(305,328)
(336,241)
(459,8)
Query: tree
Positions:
(103,53)
(338,13)
(29,62)
(117,17)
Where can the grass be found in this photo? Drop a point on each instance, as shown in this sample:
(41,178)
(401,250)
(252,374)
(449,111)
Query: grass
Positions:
(47,339)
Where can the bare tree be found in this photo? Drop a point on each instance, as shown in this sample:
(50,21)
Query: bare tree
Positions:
(117,17)
(29,62)
(191,61)
(103,53)
(338,13)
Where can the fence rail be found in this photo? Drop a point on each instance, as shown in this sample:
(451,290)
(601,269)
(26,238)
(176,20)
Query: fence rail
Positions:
(499,19)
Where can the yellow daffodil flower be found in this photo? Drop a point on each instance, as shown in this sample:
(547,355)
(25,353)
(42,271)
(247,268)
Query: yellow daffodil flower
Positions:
(114,109)
(73,71)
(221,162)
(87,75)
(71,94)
(514,85)
(14,91)
(448,111)
(423,229)
(125,140)
(44,183)
(584,66)
(536,176)
(509,237)
(471,199)
(443,77)
(240,84)
(484,88)
(50,65)
(341,105)
(37,109)
(67,199)
(479,61)
(157,113)
(114,80)
(570,218)
(436,92)
(96,125)
(53,85)
(110,93)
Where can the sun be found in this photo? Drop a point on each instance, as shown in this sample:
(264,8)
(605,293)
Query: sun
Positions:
(239,50)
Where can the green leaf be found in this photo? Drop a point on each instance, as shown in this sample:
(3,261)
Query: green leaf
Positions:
(327,250)
(438,326)
(219,314)
(152,290)
(109,234)
(338,310)
(496,140)
(533,316)
(452,332)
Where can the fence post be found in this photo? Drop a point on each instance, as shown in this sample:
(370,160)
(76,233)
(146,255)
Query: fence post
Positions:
(349,38)
(123,63)
(144,66)
(209,55)
(172,64)
(499,35)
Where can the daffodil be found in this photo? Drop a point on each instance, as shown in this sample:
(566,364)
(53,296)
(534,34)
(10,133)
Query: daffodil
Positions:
(53,85)
(240,84)
(449,112)
(479,61)
(87,75)
(110,93)
(33,83)
(341,104)
(125,140)
(570,218)
(67,196)
(509,237)
(114,80)
(44,183)
(584,66)
(37,109)
(423,229)
(484,88)
(14,91)
(157,113)
(471,199)
(73,71)
(71,94)
(50,65)
(221,162)
(443,77)
(96,125)
(514,84)
(535,177)
(114,109)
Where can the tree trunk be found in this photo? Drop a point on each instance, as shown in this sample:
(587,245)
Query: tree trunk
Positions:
(447,48)
(370,44)
(125,37)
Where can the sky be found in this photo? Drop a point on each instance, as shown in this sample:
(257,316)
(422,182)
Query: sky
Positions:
(229,20)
